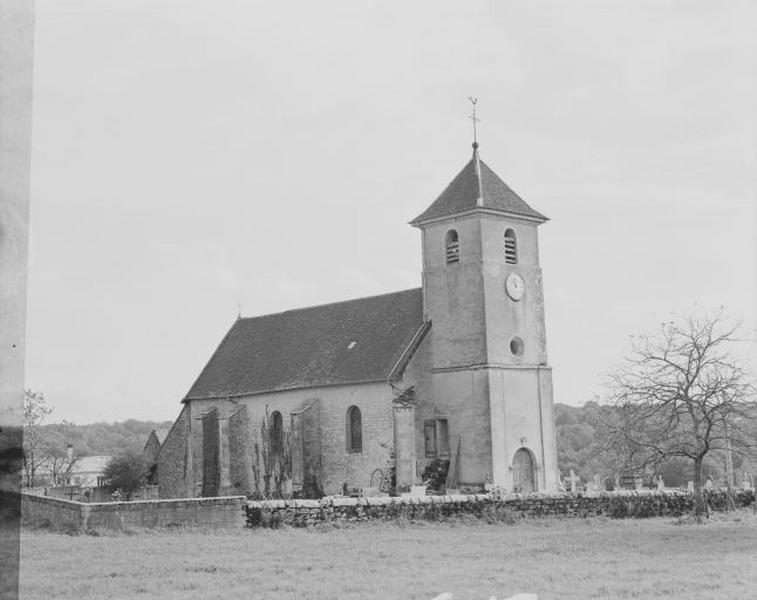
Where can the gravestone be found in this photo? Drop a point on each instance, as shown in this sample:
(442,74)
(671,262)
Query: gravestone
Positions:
(690,486)
(660,483)
(627,482)
(573,479)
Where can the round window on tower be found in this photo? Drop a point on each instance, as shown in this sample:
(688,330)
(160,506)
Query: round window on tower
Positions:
(516,346)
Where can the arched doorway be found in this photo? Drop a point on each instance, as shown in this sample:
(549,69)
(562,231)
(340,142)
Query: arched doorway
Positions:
(524,472)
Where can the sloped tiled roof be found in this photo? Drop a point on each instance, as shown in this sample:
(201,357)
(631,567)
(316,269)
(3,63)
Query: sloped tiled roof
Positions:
(463,194)
(161,434)
(91,464)
(313,346)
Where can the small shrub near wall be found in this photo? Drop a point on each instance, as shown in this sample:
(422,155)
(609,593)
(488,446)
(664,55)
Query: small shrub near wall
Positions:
(492,508)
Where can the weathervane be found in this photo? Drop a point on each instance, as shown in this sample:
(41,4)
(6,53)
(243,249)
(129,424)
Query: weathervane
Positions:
(473,118)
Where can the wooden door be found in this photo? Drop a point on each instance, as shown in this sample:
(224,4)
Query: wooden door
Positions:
(524,477)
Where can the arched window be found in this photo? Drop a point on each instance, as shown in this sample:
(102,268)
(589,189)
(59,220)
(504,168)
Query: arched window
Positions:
(511,247)
(277,433)
(452,247)
(354,430)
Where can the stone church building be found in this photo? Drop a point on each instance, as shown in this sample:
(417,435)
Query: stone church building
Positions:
(448,382)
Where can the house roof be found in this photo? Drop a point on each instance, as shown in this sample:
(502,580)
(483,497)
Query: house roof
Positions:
(83,464)
(161,434)
(345,342)
(477,186)
(91,464)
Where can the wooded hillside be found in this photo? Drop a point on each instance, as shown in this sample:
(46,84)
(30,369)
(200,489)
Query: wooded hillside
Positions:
(105,438)
(580,436)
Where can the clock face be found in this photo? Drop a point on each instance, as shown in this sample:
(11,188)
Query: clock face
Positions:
(514,286)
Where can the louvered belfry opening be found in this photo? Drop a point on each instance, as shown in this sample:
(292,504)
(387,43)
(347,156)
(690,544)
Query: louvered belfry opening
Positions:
(511,248)
(452,247)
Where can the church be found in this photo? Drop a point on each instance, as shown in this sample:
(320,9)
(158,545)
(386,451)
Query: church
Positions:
(446,385)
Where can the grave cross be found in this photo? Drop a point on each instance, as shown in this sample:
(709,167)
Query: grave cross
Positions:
(574,479)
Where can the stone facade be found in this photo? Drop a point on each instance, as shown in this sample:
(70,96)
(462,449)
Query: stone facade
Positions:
(172,460)
(223,512)
(487,507)
(451,379)
(322,413)
(150,454)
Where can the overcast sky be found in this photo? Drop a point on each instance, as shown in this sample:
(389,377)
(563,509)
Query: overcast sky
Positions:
(189,156)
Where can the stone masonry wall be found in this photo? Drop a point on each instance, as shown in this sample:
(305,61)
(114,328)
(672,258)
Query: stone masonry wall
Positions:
(489,507)
(338,465)
(51,512)
(235,511)
(211,476)
(223,512)
(418,376)
(151,449)
(307,474)
(172,460)
(240,452)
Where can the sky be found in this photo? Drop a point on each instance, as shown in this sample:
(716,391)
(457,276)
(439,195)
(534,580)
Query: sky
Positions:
(191,158)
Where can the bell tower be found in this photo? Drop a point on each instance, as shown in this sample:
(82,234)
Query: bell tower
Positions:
(482,290)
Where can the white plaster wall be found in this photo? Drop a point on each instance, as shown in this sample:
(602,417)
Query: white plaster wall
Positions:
(505,317)
(462,397)
(454,294)
(524,401)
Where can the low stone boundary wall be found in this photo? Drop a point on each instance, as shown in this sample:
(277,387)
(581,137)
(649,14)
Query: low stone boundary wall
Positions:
(223,512)
(488,507)
(53,512)
(235,512)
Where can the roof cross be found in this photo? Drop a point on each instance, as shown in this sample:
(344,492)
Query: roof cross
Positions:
(473,118)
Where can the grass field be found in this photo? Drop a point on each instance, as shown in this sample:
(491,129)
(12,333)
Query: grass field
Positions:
(595,558)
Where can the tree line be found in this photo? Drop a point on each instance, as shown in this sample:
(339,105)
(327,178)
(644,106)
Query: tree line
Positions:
(583,433)
(51,450)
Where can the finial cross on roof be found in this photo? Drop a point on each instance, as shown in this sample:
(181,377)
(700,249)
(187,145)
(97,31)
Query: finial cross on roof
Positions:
(473,117)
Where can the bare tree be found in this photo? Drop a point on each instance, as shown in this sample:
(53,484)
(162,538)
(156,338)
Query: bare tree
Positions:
(683,393)
(45,446)
(35,455)
(61,456)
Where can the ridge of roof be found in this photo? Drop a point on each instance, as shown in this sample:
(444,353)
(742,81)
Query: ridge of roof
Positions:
(329,304)
(161,434)
(477,186)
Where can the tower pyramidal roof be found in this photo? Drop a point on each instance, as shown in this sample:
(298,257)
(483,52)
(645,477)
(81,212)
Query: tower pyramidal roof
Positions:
(477,187)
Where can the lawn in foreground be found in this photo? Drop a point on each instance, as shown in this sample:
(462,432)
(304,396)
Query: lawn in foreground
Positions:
(572,558)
